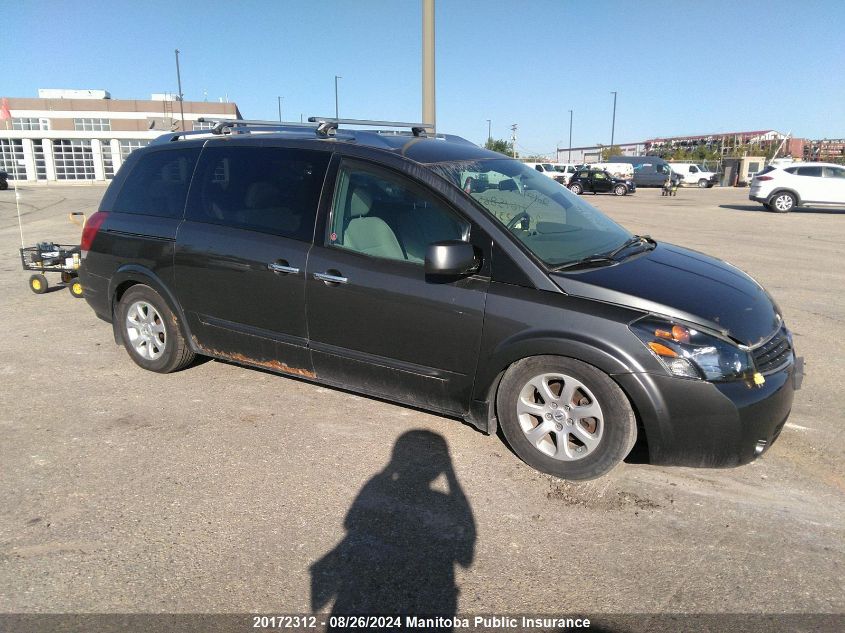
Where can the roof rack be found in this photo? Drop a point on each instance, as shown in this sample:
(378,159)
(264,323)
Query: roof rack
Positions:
(326,125)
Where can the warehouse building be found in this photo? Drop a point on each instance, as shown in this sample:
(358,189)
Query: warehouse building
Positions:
(72,135)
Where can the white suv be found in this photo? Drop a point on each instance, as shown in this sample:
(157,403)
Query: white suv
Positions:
(780,189)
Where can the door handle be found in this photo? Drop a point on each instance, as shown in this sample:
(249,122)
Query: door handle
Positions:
(282,268)
(330,279)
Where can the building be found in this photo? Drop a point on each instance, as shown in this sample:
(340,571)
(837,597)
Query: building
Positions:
(825,150)
(592,154)
(86,135)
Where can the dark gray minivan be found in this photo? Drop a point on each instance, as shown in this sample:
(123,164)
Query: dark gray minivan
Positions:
(435,273)
(649,171)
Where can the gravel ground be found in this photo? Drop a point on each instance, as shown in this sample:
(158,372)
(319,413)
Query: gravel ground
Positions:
(226,489)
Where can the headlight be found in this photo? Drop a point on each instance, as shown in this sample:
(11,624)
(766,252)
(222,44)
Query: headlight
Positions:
(690,353)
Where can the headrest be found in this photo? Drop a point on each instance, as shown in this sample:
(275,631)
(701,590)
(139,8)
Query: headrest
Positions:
(360,203)
(508,185)
(261,195)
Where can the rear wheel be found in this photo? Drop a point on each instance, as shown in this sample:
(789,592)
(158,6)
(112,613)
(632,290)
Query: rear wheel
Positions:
(38,284)
(151,331)
(782,202)
(702,184)
(576,189)
(565,417)
(620,190)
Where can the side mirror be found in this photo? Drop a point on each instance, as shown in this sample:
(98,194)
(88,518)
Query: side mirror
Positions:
(452,258)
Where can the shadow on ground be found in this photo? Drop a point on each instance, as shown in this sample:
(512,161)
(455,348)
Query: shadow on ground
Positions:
(405,532)
(759,208)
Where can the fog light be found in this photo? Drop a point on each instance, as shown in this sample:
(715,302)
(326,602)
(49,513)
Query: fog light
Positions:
(760,448)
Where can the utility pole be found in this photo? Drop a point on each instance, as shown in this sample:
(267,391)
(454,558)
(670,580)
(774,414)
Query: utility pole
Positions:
(569,160)
(429,113)
(513,139)
(489,131)
(613,128)
(336,110)
(279,99)
(179,81)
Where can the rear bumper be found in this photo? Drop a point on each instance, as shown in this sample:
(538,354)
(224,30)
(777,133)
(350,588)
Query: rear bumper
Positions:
(96,293)
(703,424)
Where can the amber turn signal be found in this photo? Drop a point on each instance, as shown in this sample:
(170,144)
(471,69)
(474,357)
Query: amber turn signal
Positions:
(679,334)
(662,350)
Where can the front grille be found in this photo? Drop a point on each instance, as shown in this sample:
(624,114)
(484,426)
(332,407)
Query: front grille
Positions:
(774,353)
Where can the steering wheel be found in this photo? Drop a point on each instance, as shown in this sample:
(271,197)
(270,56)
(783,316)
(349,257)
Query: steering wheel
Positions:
(516,219)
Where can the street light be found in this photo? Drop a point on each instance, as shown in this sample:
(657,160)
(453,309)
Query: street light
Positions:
(280,108)
(613,128)
(569,160)
(179,81)
(489,133)
(336,110)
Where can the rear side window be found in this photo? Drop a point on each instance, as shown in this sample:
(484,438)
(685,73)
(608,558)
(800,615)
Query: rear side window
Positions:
(267,189)
(158,184)
(810,171)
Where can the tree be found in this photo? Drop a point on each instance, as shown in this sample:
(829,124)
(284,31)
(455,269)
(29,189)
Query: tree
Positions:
(500,145)
(607,152)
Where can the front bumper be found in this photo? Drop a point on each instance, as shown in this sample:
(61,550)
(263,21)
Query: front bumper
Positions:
(704,424)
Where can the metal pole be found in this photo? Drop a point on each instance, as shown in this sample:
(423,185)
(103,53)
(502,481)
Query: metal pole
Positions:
(489,131)
(279,99)
(613,128)
(179,81)
(428,93)
(569,160)
(336,110)
(513,140)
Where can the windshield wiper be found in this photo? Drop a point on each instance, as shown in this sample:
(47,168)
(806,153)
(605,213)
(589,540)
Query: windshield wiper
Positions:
(586,261)
(632,241)
(610,257)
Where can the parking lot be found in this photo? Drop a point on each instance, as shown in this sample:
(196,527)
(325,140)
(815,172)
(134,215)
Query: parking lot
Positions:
(216,489)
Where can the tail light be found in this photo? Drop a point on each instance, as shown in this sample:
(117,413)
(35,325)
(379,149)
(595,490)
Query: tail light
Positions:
(763,178)
(89,231)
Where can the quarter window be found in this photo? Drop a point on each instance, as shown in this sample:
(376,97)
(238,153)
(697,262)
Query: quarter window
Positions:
(834,172)
(158,184)
(266,189)
(382,215)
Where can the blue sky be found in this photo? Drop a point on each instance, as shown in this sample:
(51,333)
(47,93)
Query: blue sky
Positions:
(679,66)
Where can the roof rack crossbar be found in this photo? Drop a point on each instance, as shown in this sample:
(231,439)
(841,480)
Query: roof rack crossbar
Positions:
(222,125)
(327,124)
(168,137)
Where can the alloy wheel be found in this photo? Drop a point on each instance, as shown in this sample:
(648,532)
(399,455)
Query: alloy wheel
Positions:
(145,330)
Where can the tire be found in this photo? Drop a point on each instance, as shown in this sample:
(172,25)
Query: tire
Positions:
(4,185)
(38,284)
(574,447)
(782,202)
(151,333)
(75,288)
(576,189)
(620,190)
(703,184)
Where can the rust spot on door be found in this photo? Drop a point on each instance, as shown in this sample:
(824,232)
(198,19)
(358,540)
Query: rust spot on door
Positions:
(272,365)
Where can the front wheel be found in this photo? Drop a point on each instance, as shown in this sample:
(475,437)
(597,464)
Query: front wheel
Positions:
(703,184)
(151,332)
(783,202)
(38,284)
(620,190)
(75,288)
(576,189)
(565,417)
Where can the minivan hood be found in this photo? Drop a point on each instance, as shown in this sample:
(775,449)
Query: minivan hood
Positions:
(684,284)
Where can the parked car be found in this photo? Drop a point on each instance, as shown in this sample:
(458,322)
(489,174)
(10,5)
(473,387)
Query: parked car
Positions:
(549,170)
(4,181)
(567,169)
(781,189)
(600,181)
(649,171)
(390,265)
(692,174)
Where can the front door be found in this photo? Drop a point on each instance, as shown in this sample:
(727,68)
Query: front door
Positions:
(601,182)
(242,249)
(376,323)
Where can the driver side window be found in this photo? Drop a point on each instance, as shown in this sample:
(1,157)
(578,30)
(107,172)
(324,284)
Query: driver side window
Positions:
(381,214)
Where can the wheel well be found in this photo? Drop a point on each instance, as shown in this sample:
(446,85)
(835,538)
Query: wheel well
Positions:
(121,290)
(493,402)
(784,190)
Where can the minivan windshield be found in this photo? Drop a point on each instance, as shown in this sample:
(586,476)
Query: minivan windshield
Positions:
(555,224)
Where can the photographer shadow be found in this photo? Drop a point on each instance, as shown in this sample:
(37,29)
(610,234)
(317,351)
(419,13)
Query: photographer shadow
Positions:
(404,537)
